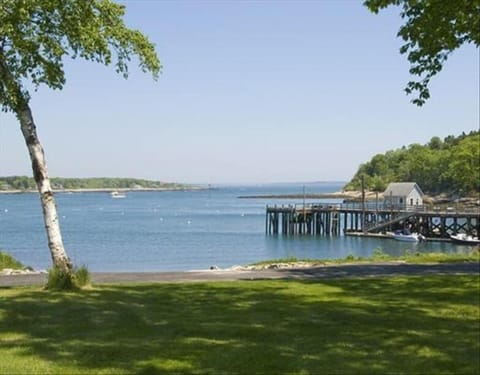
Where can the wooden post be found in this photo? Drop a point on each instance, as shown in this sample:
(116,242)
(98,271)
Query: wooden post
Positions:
(266,220)
(364,229)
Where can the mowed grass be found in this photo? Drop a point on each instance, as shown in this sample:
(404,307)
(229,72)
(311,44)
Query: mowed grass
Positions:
(401,325)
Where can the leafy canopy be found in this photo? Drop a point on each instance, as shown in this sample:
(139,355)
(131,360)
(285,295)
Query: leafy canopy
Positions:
(432,31)
(448,166)
(36,35)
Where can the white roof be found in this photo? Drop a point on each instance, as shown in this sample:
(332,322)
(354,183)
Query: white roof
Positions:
(401,189)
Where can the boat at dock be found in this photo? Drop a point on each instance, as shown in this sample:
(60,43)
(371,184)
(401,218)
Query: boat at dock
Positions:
(407,236)
(465,239)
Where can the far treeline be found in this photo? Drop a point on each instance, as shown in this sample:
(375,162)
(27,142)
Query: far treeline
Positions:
(27,183)
(451,166)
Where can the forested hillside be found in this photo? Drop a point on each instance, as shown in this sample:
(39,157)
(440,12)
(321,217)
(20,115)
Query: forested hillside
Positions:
(27,183)
(451,165)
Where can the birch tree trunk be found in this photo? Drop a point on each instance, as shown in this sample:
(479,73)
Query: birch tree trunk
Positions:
(39,167)
(19,105)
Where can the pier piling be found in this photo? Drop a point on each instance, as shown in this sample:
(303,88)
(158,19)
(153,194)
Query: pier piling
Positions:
(325,219)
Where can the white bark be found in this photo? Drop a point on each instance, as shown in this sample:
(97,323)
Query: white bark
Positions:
(39,167)
(18,103)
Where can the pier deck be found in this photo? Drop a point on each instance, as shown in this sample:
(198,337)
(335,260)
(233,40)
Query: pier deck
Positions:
(320,219)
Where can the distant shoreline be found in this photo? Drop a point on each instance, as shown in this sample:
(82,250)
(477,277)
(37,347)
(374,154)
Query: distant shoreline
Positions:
(106,190)
(353,195)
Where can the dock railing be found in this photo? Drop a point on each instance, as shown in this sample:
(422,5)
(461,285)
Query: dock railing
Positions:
(370,207)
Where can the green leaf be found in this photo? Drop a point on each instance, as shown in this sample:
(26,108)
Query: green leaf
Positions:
(37,35)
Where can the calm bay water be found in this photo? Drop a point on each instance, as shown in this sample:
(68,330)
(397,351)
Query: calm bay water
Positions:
(164,231)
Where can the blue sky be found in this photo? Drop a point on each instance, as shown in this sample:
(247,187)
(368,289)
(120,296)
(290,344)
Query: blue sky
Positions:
(251,91)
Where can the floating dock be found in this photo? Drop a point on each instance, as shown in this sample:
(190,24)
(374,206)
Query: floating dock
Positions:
(325,219)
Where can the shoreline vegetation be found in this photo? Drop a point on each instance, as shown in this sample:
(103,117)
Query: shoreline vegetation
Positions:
(106,190)
(471,254)
(440,166)
(24,184)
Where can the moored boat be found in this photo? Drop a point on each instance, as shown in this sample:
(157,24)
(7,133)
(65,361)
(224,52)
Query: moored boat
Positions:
(117,194)
(465,239)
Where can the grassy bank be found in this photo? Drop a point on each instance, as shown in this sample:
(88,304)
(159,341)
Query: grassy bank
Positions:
(427,325)
(469,255)
(8,261)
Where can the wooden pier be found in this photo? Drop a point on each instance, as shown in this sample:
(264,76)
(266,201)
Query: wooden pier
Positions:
(325,219)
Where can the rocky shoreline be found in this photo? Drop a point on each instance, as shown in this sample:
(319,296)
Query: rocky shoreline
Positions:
(23,271)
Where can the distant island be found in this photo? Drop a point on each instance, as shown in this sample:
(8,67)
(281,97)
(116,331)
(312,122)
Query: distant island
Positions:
(18,184)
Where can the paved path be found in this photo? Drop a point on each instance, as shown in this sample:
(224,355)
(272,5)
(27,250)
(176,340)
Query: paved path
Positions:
(321,272)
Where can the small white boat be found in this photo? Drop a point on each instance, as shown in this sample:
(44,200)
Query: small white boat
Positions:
(465,239)
(117,194)
(406,236)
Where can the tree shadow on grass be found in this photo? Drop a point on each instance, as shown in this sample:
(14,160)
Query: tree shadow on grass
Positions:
(387,325)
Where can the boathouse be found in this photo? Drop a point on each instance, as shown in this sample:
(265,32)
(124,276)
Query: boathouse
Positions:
(403,196)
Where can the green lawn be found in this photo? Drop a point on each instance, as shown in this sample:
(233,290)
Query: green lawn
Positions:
(401,325)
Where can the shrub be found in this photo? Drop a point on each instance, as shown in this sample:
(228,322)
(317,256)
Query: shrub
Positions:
(350,258)
(58,279)
(378,254)
(7,261)
(61,280)
(82,276)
